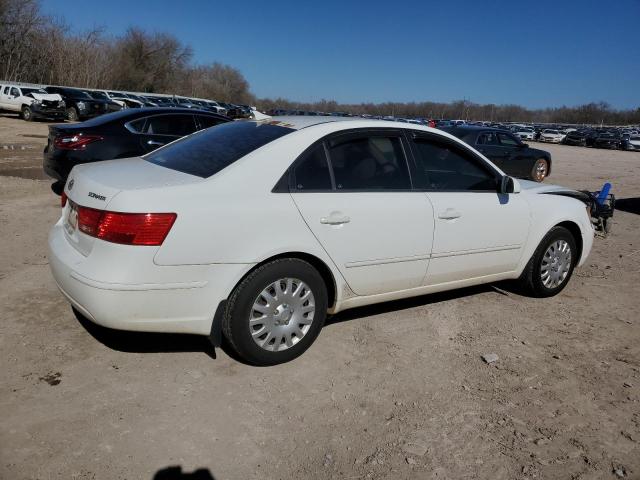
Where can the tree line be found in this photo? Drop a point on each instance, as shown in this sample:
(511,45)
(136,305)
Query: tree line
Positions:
(38,48)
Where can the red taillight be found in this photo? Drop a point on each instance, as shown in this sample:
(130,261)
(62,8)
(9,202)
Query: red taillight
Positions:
(126,228)
(75,142)
(63,199)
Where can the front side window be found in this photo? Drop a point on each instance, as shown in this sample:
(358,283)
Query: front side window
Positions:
(488,138)
(448,168)
(370,163)
(175,125)
(15,92)
(206,122)
(209,151)
(311,172)
(507,140)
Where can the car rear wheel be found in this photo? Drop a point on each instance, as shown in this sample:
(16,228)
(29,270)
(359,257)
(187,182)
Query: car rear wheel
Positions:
(72,114)
(26,114)
(276,312)
(540,170)
(551,265)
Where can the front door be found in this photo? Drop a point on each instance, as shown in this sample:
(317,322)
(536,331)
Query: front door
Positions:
(359,205)
(478,231)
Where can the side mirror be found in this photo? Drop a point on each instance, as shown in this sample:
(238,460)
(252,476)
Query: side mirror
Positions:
(523,145)
(509,185)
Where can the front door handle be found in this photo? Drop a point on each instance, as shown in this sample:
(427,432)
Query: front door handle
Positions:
(449,214)
(331,220)
(154,142)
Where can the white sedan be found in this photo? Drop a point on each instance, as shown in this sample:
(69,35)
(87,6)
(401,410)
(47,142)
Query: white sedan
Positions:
(256,230)
(552,136)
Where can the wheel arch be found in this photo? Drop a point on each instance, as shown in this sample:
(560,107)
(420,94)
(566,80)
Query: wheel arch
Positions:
(322,268)
(575,231)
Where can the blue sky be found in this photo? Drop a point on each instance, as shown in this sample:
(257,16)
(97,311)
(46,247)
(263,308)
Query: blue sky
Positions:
(535,53)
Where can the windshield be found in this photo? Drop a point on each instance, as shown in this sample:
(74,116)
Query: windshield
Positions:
(26,91)
(100,95)
(207,152)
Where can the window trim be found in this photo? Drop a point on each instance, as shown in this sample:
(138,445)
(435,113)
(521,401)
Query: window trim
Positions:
(416,134)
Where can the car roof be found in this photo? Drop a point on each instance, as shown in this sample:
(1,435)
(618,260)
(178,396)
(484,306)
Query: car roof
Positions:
(133,113)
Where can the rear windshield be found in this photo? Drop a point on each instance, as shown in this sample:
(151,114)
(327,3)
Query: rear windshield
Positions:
(207,152)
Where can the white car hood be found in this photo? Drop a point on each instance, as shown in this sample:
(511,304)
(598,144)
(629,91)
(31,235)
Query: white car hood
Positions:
(47,96)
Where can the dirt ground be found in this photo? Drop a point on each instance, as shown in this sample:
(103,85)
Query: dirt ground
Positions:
(394,391)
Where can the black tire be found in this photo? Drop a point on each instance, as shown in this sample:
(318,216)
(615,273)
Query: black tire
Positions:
(537,175)
(72,114)
(235,322)
(531,279)
(26,114)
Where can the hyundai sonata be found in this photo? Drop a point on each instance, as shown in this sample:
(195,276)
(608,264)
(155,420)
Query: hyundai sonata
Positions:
(256,230)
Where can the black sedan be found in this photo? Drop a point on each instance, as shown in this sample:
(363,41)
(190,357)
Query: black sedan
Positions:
(127,133)
(506,151)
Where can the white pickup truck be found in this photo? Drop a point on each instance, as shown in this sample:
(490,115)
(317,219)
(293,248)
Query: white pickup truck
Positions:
(31,102)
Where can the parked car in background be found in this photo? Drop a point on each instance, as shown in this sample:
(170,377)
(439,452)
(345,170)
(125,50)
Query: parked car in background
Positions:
(608,139)
(525,133)
(581,138)
(127,133)
(506,151)
(632,142)
(31,102)
(551,136)
(256,230)
(79,104)
(160,101)
(114,105)
(209,105)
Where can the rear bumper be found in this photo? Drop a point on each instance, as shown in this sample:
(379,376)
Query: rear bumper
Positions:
(174,299)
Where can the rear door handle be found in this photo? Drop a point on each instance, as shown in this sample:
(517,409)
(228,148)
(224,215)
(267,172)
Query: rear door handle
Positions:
(154,142)
(334,220)
(449,214)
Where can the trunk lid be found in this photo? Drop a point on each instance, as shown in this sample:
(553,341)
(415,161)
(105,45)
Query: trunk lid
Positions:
(95,186)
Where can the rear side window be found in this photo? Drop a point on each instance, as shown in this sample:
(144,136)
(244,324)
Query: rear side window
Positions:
(15,92)
(176,125)
(370,163)
(207,152)
(448,168)
(311,172)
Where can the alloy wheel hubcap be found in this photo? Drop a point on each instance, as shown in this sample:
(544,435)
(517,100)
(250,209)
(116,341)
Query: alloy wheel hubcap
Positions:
(541,170)
(556,263)
(282,314)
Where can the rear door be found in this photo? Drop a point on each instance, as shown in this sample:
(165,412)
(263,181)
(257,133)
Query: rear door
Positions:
(354,192)
(478,231)
(159,130)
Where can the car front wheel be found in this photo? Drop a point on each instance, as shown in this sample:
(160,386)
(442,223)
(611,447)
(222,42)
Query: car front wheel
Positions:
(72,114)
(540,170)
(551,265)
(27,114)
(276,312)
